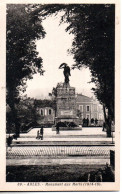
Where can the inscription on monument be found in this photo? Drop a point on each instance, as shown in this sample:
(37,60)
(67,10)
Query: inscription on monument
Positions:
(66,112)
(66,102)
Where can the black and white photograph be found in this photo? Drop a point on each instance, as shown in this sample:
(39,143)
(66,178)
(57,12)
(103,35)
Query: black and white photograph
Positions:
(60,96)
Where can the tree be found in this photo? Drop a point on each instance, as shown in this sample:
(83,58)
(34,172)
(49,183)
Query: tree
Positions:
(43,103)
(79,114)
(22,61)
(93,47)
(54,96)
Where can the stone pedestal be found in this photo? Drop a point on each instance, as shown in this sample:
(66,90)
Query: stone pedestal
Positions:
(66,104)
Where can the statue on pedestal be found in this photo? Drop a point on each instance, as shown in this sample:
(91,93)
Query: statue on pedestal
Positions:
(66,72)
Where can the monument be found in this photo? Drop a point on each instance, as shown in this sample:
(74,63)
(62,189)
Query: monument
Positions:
(66,100)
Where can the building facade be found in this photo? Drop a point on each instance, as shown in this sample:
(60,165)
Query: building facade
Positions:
(89,108)
(86,108)
(46,115)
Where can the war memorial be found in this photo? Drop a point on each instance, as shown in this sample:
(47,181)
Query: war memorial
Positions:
(66,102)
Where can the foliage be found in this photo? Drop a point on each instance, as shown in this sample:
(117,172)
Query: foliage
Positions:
(23,28)
(22,61)
(27,116)
(53,96)
(44,103)
(93,47)
(66,124)
(79,113)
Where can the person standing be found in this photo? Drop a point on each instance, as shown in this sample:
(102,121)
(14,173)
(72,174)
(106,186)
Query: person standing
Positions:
(84,122)
(87,120)
(9,141)
(96,122)
(57,128)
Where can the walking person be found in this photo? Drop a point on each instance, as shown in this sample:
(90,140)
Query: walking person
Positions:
(37,137)
(57,128)
(104,125)
(41,132)
(9,141)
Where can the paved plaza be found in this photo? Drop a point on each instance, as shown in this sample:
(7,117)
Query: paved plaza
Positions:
(87,134)
(89,145)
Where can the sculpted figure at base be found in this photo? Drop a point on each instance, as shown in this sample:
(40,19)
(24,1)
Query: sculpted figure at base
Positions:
(66,72)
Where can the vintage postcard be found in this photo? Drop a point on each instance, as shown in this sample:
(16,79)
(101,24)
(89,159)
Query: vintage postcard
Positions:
(59,95)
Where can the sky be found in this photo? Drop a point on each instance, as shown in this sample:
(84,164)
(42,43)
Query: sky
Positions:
(53,50)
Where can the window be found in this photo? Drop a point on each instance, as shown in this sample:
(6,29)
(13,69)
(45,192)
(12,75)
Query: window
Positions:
(50,111)
(81,108)
(41,112)
(87,108)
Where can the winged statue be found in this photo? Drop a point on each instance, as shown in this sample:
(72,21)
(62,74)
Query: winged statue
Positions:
(66,71)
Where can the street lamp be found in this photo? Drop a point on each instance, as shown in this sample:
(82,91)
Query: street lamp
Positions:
(112,130)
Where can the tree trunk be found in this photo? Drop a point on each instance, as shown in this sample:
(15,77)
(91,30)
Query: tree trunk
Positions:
(15,119)
(17,126)
(104,113)
(109,125)
(109,128)
(104,126)
(107,122)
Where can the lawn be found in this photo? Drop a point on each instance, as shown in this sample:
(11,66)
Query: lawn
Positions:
(51,173)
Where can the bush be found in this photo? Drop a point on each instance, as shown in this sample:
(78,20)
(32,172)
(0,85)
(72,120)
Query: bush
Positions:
(25,127)
(72,124)
(66,124)
(61,124)
(100,175)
